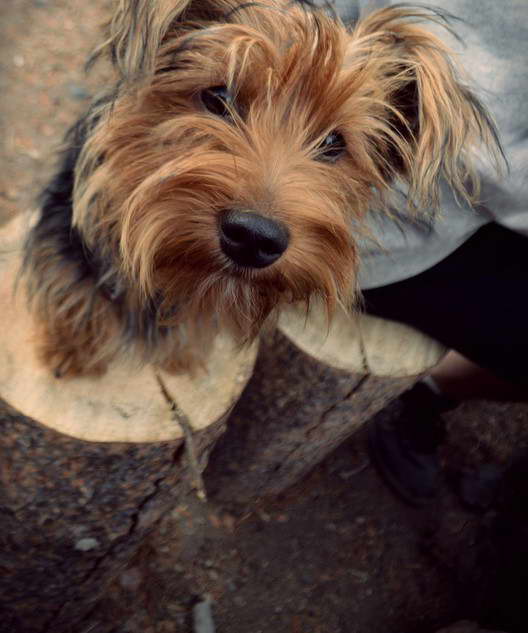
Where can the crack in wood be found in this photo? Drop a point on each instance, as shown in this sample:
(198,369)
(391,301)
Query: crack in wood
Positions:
(50,625)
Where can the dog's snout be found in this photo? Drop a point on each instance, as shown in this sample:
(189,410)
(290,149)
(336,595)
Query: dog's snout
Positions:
(252,240)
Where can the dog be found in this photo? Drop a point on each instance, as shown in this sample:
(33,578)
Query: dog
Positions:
(227,172)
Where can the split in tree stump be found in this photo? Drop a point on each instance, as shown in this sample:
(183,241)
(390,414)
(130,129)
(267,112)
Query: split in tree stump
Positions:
(312,388)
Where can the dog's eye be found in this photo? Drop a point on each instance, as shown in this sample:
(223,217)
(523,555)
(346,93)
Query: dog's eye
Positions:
(218,100)
(332,147)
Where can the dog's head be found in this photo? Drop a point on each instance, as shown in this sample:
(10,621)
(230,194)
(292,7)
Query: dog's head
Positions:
(230,171)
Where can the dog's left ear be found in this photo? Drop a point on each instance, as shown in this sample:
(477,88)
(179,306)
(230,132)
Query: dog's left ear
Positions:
(139,27)
(432,124)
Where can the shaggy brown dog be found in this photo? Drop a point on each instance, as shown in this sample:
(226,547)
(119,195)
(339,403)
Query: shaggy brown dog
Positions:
(228,170)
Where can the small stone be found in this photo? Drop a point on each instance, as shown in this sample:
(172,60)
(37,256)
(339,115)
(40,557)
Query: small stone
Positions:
(86,544)
(239,601)
(203,616)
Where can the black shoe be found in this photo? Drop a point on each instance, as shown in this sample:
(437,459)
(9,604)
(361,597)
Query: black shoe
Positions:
(403,443)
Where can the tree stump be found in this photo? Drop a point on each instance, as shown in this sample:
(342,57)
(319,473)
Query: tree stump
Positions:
(87,466)
(313,386)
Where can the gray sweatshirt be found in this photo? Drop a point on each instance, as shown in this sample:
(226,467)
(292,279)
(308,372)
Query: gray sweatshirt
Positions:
(494,53)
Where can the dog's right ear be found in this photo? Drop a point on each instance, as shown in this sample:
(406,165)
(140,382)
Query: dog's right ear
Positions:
(138,28)
(432,126)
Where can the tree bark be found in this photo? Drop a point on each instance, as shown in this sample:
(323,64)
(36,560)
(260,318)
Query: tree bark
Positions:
(72,513)
(312,388)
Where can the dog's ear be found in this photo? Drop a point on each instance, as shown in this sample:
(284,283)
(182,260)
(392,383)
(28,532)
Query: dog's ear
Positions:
(434,123)
(139,27)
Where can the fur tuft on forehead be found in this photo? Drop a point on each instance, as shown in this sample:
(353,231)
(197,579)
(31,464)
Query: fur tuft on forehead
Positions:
(139,28)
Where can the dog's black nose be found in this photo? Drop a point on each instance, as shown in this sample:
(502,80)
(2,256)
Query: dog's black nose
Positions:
(252,240)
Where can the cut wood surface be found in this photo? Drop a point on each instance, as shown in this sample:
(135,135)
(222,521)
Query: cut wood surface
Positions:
(123,405)
(361,343)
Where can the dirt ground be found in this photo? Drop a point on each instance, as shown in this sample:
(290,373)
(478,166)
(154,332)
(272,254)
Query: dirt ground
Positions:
(338,553)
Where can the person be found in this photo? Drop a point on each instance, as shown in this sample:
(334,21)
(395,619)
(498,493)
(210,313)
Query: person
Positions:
(460,275)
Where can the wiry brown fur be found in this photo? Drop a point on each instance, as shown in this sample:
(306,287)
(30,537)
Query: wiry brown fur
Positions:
(156,169)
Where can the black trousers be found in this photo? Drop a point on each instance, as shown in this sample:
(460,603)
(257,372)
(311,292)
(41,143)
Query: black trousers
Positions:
(475,301)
